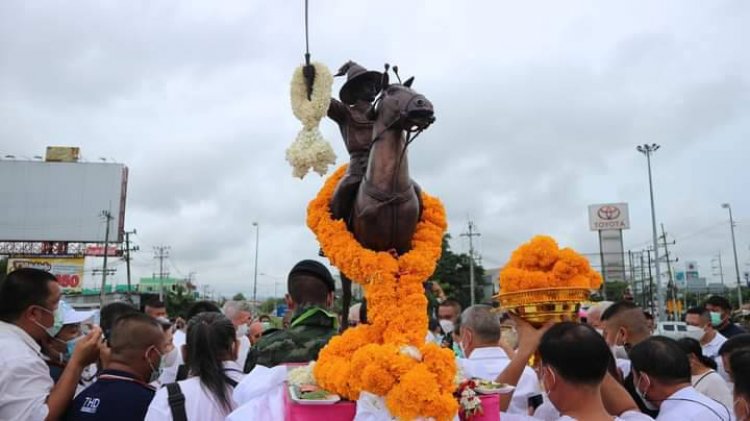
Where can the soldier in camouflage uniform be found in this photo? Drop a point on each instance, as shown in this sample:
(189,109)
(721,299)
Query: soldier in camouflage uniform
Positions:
(310,293)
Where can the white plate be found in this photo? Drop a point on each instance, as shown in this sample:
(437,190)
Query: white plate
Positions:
(330,401)
(501,391)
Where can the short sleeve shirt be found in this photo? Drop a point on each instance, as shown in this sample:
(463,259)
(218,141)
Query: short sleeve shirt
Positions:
(25,380)
(115,396)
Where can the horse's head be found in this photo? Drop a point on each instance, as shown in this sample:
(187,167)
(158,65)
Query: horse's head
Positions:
(401,107)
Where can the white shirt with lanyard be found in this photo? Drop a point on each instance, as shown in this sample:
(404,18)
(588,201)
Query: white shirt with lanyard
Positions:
(687,404)
(199,403)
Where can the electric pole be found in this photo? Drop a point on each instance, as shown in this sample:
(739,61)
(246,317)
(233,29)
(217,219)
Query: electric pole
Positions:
(127,258)
(108,218)
(471,233)
(161,253)
(719,266)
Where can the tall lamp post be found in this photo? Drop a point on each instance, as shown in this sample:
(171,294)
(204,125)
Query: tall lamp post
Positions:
(647,150)
(734,248)
(255,276)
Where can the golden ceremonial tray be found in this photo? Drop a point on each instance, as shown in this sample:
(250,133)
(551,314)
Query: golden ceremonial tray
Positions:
(538,306)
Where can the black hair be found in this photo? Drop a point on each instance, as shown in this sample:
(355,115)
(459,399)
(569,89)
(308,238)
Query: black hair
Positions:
(648,315)
(697,310)
(718,301)
(739,362)
(576,351)
(22,289)
(209,341)
(363,312)
(265,317)
(307,289)
(111,312)
(662,359)
(433,325)
(735,343)
(616,309)
(452,302)
(127,332)
(201,307)
(155,303)
(693,347)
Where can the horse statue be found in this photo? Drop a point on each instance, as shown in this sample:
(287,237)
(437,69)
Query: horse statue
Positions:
(386,205)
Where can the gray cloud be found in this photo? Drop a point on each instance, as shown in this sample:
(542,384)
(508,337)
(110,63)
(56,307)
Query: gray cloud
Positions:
(539,109)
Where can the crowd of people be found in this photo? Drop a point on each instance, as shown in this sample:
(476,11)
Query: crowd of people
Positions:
(126,364)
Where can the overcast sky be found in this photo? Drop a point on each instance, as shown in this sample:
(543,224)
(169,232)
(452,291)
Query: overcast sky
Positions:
(539,108)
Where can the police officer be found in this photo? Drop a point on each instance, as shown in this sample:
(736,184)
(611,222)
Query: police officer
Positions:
(310,294)
(122,392)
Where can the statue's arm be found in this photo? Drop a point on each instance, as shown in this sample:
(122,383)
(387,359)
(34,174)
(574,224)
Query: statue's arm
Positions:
(337,111)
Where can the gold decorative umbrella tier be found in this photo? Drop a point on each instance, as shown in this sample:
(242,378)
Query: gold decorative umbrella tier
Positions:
(538,306)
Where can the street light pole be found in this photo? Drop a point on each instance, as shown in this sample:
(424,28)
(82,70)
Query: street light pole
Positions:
(734,248)
(648,150)
(255,276)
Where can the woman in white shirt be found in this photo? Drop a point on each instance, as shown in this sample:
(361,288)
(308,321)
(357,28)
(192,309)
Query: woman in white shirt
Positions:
(210,352)
(704,377)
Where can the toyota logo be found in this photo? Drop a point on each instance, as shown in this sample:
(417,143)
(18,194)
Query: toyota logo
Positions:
(608,213)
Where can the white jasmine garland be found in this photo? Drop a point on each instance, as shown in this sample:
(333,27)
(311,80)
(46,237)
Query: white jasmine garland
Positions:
(302,375)
(310,151)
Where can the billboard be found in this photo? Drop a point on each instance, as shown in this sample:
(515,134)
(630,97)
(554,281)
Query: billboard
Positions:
(609,216)
(61,201)
(68,271)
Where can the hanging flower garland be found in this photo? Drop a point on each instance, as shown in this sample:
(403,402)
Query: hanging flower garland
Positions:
(388,357)
(310,150)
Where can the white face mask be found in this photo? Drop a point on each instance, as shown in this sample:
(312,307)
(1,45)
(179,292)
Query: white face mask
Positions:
(695,332)
(642,395)
(242,330)
(447,326)
(171,358)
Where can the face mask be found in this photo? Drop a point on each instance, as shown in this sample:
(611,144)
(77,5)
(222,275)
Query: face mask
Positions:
(695,332)
(715,318)
(57,324)
(458,349)
(70,346)
(266,326)
(447,326)
(439,339)
(642,396)
(242,330)
(155,371)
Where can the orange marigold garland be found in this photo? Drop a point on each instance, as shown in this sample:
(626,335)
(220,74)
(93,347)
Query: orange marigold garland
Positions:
(540,263)
(389,357)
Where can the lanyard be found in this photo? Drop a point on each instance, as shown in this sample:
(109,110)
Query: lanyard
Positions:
(129,379)
(309,313)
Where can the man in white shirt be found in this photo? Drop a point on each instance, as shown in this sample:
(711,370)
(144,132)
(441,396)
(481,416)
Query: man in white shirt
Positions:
(480,337)
(661,375)
(29,315)
(239,313)
(574,360)
(711,340)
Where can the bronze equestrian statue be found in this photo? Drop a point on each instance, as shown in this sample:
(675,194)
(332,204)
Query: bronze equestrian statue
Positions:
(378,200)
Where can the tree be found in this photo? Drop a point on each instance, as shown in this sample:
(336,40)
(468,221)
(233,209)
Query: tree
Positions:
(453,275)
(270,304)
(239,297)
(179,301)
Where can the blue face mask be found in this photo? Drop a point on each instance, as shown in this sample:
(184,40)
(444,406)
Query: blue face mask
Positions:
(69,347)
(57,324)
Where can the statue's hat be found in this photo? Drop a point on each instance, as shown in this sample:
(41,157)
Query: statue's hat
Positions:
(356,76)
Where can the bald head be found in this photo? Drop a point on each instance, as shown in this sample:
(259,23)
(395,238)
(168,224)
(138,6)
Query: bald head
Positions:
(133,334)
(256,331)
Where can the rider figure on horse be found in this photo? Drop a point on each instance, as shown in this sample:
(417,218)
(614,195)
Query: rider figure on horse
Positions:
(351,115)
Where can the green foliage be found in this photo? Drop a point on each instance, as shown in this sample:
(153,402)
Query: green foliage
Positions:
(268,306)
(239,297)
(179,301)
(453,275)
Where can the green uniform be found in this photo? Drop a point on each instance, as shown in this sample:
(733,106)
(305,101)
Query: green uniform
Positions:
(309,331)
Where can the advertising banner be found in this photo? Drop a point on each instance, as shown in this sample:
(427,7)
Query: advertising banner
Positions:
(68,271)
(609,216)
